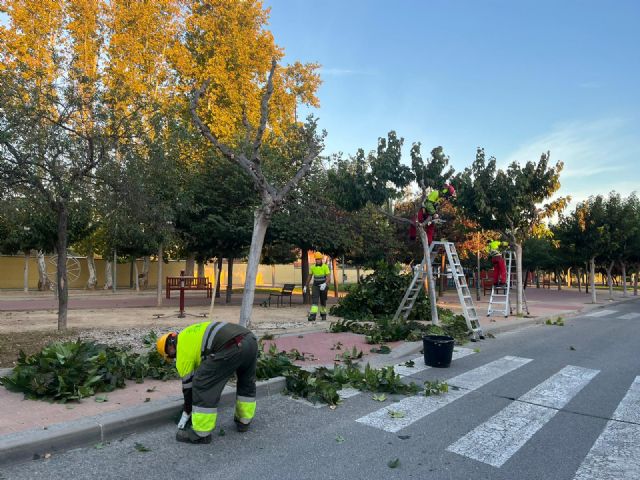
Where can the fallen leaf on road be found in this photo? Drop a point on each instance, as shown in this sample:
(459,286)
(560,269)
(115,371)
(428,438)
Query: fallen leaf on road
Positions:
(141,448)
(152,389)
(404,437)
(396,414)
(339,439)
(47,456)
(101,398)
(572,347)
(222,433)
(393,463)
(147,400)
(379,398)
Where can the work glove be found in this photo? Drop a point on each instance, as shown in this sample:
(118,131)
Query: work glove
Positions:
(304,289)
(183,420)
(323,286)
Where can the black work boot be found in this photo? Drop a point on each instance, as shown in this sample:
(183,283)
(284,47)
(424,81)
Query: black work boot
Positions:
(189,436)
(312,317)
(242,427)
(323,317)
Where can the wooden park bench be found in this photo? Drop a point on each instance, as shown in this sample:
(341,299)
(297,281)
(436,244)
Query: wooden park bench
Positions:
(188,284)
(287,291)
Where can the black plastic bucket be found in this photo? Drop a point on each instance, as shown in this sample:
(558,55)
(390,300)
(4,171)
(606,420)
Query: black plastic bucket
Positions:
(438,350)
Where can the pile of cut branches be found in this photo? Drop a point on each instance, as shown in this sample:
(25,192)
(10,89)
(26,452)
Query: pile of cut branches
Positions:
(68,371)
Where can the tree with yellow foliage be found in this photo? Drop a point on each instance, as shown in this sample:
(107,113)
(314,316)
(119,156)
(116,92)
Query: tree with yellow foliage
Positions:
(244,104)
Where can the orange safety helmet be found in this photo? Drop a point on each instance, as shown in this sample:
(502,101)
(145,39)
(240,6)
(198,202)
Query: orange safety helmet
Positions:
(318,256)
(161,344)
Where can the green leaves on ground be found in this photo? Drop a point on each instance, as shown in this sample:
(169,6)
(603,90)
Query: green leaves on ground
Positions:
(101,398)
(435,387)
(559,322)
(65,371)
(384,329)
(384,349)
(396,414)
(379,398)
(393,463)
(339,439)
(409,364)
(141,448)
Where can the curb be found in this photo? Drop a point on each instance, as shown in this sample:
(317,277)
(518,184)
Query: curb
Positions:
(34,444)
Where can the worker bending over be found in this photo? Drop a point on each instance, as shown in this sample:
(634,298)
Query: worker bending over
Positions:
(207,354)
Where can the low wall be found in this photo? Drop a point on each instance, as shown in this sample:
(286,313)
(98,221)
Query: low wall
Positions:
(12,273)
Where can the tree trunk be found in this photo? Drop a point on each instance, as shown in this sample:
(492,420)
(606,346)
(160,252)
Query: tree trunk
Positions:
(190,264)
(358,274)
(478,272)
(569,280)
(592,279)
(334,272)
(43,280)
(559,280)
(218,277)
(579,279)
(131,262)
(201,273)
(609,279)
(92,282)
(229,279)
(137,277)
(306,297)
(159,286)
(519,278)
(25,283)
(623,267)
(61,270)
(635,283)
(537,278)
(260,224)
(146,265)
(108,275)
(427,259)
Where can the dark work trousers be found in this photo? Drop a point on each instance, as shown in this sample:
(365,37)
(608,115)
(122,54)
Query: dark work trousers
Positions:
(213,374)
(320,296)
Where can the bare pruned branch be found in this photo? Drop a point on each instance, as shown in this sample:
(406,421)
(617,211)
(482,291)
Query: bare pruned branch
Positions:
(264,112)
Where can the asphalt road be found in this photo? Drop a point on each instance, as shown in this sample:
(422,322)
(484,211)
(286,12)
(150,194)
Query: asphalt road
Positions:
(543,402)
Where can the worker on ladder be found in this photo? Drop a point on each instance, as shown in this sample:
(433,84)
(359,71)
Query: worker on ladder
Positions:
(494,249)
(320,273)
(207,355)
(431,204)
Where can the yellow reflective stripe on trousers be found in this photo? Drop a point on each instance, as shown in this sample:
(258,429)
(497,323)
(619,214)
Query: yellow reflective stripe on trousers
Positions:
(245,409)
(203,420)
(314,308)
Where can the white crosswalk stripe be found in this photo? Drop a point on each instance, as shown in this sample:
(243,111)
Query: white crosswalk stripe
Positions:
(417,407)
(615,455)
(629,316)
(496,440)
(601,313)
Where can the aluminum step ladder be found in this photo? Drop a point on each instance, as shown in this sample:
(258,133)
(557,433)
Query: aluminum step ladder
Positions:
(411,295)
(464,294)
(500,300)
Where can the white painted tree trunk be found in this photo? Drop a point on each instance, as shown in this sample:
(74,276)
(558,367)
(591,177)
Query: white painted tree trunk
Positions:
(43,281)
(623,266)
(108,275)
(260,224)
(159,286)
(146,265)
(92,281)
(610,280)
(432,286)
(518,278)
(136,275)
(592,279)
(27,254)
(189,265)
(635,284)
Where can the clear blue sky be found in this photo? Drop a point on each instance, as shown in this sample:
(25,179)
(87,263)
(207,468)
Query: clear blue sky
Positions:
(516,77)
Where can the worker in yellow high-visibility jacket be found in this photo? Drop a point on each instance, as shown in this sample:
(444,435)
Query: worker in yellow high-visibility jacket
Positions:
(207,354)
(320,273)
